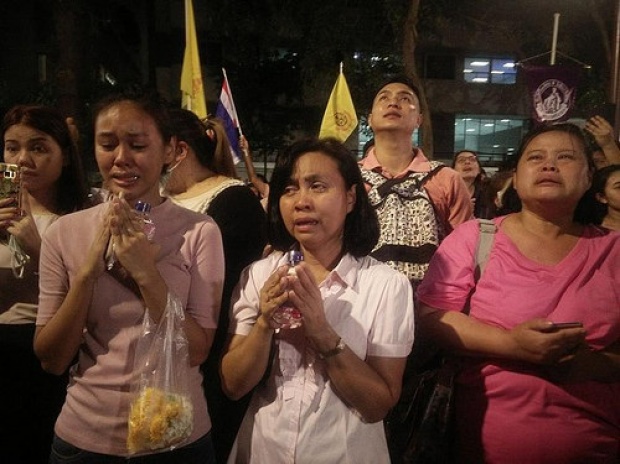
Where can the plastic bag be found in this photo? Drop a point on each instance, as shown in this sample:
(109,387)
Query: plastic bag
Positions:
(161,412)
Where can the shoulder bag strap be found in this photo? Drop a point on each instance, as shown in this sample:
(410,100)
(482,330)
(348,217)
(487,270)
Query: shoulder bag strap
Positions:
(487,229)
(485,243)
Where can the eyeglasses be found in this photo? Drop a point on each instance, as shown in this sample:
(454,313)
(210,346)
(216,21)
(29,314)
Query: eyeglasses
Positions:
(463,159)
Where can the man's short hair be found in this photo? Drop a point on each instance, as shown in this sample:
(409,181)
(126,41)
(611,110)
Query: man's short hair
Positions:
(400,79)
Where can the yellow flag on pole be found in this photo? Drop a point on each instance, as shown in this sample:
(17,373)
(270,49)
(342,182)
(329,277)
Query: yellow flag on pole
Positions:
(192,90)
(339,119)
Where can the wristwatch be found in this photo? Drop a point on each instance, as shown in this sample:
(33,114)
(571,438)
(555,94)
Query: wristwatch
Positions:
(334,351)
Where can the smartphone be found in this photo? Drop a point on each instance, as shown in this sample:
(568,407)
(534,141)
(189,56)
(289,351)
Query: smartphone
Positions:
(9,181)
(567,325)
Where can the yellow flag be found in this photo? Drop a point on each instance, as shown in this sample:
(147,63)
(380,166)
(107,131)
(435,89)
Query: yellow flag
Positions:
(192,90)
(339,119)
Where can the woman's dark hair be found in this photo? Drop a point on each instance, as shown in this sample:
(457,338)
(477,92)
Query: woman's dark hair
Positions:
(148,101)
(222,159)
(204,137)
(599,181)
(585,206)
(361,227)
(458,153)
(565,127)
(262,177)
(72,188)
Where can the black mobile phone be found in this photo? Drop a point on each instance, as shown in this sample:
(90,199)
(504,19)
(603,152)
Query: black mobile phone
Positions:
(567,325)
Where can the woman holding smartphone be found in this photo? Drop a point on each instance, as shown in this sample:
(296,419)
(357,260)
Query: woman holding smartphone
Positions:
(541,345)
(37,141)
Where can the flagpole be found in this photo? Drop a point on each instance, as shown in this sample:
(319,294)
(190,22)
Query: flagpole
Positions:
(247,159)
(188,18)
(554,41)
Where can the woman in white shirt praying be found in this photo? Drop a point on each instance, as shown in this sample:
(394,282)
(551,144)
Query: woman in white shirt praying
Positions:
(321,390)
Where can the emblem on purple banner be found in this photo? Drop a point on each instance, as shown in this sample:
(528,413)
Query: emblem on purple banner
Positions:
(552,90)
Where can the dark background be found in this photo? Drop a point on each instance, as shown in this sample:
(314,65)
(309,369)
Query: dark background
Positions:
(282,56)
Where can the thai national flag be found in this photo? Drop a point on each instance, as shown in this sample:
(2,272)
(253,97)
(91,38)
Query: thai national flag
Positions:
(227,112)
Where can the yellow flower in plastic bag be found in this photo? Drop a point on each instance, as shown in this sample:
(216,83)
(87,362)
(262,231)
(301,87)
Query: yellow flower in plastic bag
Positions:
(158,419)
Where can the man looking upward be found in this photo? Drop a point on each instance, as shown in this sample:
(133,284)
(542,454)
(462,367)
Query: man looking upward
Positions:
(418,201)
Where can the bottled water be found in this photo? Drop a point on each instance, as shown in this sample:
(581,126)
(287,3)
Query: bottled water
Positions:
(288,316)
(144,210)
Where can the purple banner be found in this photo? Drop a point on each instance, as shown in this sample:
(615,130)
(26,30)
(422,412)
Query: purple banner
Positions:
(552,91)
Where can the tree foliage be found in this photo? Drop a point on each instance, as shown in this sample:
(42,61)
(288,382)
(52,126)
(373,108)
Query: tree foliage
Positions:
(282,56)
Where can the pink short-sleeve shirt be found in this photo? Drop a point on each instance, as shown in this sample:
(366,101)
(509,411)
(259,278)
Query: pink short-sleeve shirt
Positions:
(191,261)
(514,409)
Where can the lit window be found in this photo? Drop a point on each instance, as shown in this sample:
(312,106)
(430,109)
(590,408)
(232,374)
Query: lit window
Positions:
(489,70)
(492,137)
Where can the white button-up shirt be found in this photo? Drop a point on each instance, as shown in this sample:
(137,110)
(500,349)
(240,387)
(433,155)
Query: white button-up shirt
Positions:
(296,416)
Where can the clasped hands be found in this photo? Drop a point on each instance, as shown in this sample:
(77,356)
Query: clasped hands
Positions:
(122,233)
(302,292)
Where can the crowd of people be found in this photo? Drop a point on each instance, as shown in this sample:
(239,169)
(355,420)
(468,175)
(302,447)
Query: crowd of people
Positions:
(387,245)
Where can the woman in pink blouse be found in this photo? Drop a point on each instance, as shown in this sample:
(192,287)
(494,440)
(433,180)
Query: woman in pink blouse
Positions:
(532,391)
(94,314)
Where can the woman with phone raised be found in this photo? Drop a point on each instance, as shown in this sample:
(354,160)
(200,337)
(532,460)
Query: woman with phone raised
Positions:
(44,172)
(541,345)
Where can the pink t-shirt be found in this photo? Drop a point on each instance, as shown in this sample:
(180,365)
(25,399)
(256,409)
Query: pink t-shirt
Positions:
(191,261)
(510,409)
